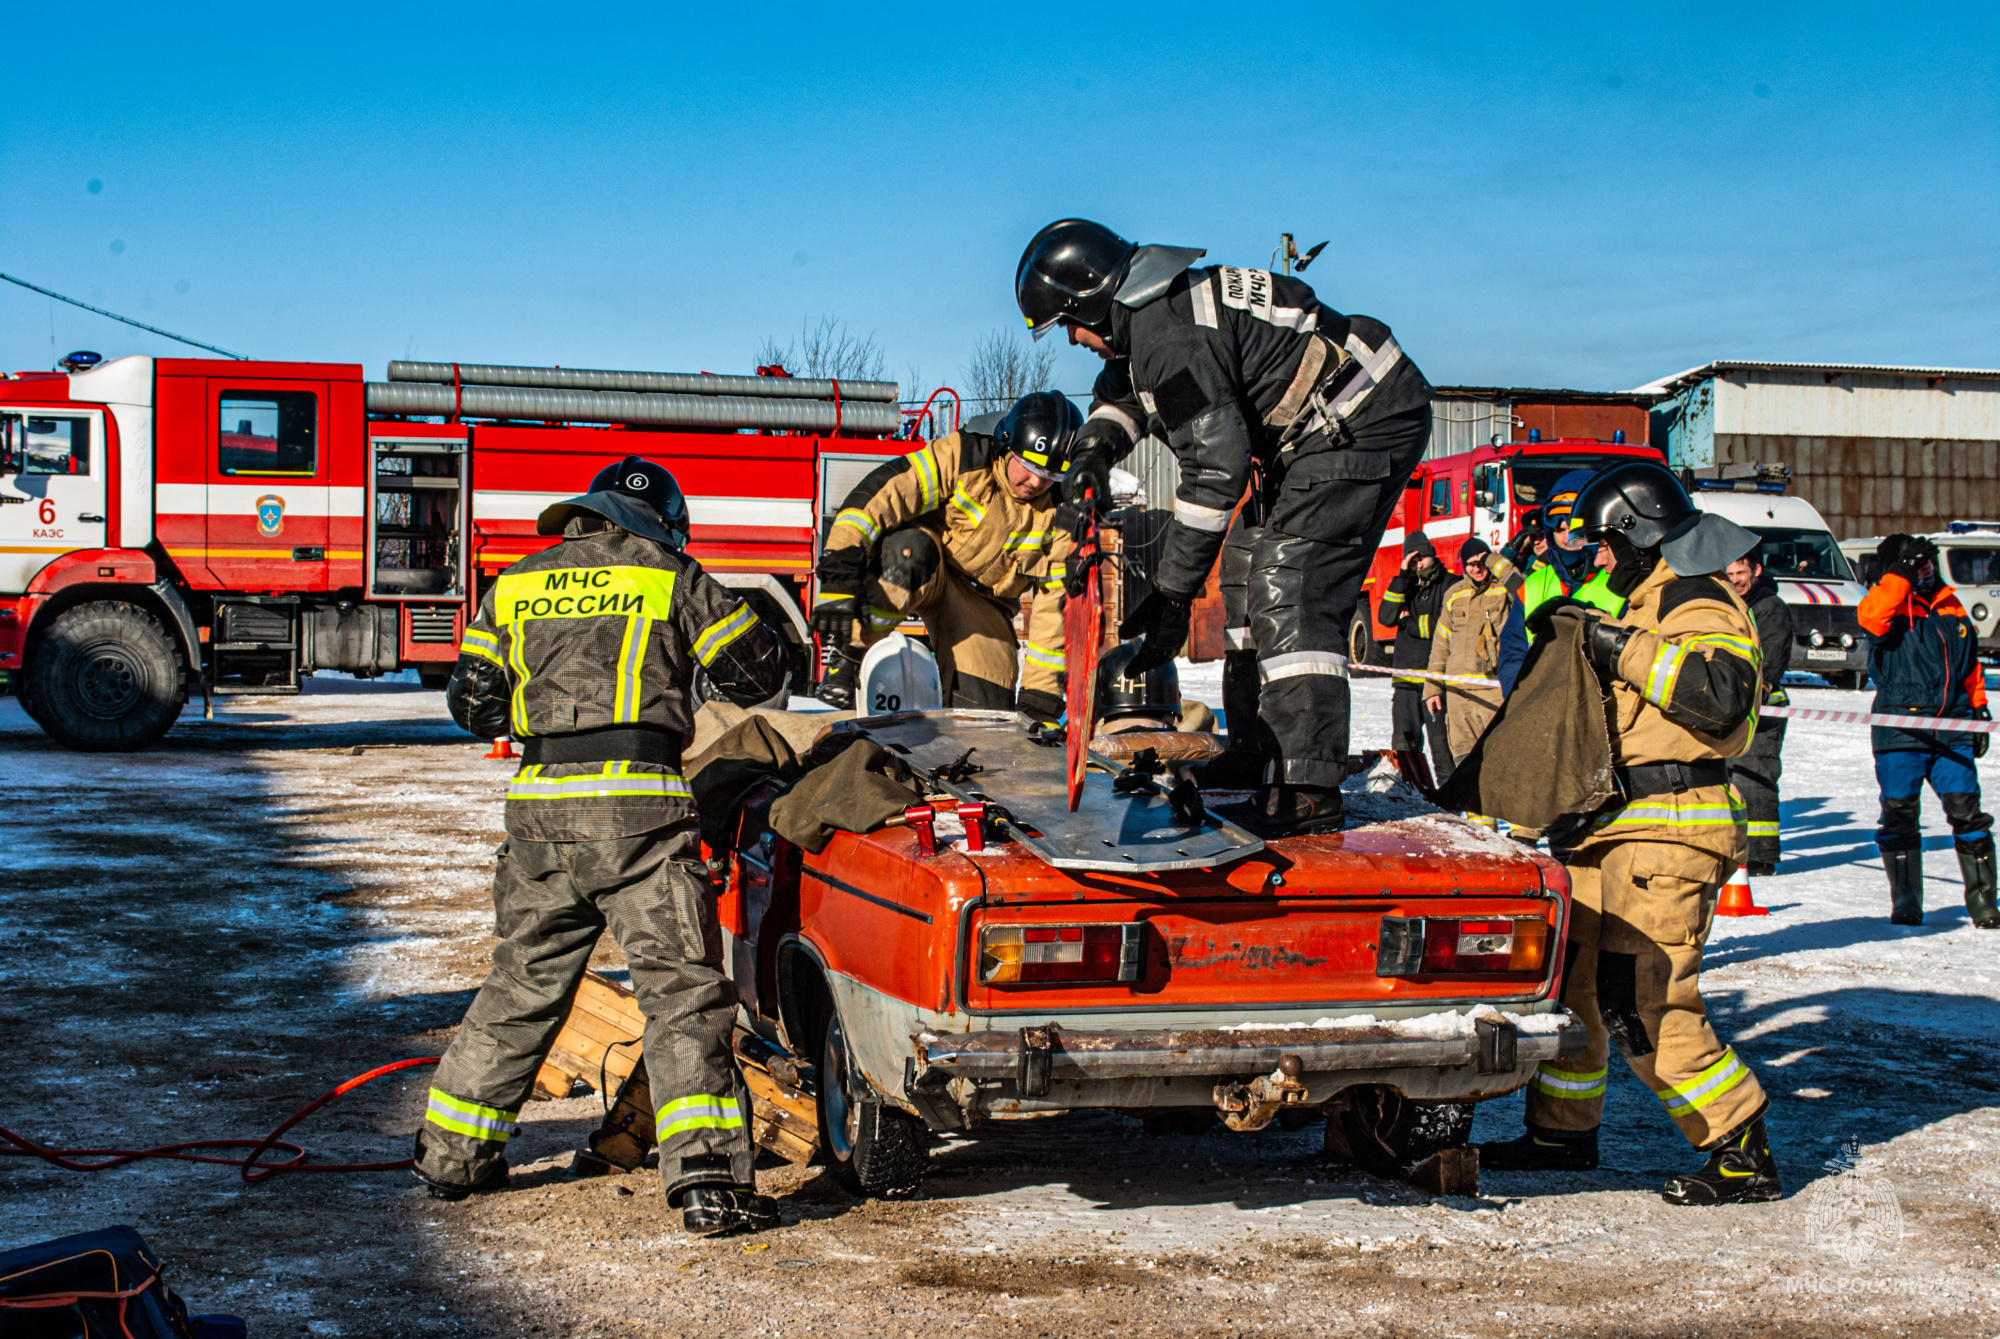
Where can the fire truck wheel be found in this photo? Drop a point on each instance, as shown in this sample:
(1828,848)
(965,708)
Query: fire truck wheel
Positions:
(706,691)
(871,1148)
(1361,639)
(434,680)
(1385,1133)
(107,676)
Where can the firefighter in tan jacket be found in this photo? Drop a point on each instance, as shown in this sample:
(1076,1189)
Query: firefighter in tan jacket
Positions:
(1467,642)
(955,534)
(1683,688)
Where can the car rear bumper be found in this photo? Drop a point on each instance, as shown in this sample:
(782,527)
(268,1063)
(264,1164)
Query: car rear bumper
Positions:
(1049,1068)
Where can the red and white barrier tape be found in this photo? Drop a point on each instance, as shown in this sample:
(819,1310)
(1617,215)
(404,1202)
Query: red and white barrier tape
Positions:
(1879,718)
(1947,723)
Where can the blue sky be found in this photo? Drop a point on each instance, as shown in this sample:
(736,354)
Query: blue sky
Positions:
(1551,197)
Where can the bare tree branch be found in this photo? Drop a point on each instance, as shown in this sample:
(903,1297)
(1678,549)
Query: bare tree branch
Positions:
(827,349)
(1003,368)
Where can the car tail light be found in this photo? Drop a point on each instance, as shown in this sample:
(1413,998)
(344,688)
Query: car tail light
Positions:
(1031,954)
(1422,945)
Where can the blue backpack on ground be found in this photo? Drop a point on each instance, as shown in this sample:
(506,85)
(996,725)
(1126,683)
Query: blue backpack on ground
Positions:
(95,1284)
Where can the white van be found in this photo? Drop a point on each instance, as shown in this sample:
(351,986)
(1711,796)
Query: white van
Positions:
(1814,577)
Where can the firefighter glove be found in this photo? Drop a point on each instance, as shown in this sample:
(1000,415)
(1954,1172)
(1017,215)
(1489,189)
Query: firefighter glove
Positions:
(1162,619)
(833,617)
(1603,643)
(1076,574)
(1089,470)
(1542,623)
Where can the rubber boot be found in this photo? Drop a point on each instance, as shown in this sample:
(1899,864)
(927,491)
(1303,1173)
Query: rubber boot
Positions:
(842,678)
(1975,862)
(1542,1150)
(708,1210)
(496,1179)
(1291,811)
(1906,886)
(1739,1170)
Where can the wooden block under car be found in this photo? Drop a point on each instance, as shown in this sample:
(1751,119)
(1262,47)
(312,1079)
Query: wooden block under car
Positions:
(599,1044)
(1453,1171)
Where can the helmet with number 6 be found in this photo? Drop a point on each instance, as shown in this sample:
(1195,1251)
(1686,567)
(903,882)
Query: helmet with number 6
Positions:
(636,494)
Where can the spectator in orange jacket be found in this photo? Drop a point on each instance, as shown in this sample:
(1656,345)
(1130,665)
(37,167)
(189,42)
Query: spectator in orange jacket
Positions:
(1924,658)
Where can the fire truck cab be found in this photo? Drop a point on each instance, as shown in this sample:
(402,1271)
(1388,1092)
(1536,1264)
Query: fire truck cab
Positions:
(234,526)
(1485,492)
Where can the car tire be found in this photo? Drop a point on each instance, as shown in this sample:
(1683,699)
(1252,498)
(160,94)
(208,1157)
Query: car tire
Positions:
(1386,1134)
(871,1148)
(435,681)
(106,677)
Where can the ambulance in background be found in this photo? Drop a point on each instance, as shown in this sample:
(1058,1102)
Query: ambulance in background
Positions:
(1799,553)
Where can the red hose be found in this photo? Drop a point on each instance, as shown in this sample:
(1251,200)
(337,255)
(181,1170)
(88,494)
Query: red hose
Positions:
(253,1171)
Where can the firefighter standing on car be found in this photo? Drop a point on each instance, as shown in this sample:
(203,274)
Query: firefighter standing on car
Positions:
(1412,604)
(955,534)
(585,652)
(1681,671)
(1471,633)
(1924,658)
(1755,774)
(1245,372)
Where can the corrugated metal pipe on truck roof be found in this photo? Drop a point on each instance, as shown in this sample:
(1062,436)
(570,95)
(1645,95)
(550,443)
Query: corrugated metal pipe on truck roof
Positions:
(582,406)
(654,383)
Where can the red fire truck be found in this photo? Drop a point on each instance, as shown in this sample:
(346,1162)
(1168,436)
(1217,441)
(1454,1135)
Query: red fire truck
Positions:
(1485,492)
(176,524)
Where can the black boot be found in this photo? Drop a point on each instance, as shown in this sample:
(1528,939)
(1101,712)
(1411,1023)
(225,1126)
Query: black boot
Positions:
(494,1179)
(1740,1170)
(1906,886)
(1975,862)
(1542,1150)
(708,1210)
(1291,811)
(842,678)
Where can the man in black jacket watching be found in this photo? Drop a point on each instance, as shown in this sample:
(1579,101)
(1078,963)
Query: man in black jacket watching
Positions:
(1411,605)
(1756,773)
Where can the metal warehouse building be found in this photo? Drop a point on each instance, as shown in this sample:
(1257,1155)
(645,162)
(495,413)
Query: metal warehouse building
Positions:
(1876,449)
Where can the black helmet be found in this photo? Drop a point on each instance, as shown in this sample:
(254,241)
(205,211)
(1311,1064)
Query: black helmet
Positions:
(1157,692)
(1071,270)
(1640,503)
(1041,430)
(636,495)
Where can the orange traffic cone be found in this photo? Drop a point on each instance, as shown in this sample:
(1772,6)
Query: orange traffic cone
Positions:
(1736,899)
(503,749)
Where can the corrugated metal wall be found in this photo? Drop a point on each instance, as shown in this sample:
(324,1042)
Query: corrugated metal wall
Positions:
(1882,485)
(1157,470)
(1461,425)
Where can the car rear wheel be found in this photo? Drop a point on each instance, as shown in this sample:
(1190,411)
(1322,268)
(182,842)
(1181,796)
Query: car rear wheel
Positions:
(1361,638)
(870,1147)
(1385,1133)
(106,677)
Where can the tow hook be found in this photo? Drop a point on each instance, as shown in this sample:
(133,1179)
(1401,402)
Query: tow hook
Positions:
(1251,1106)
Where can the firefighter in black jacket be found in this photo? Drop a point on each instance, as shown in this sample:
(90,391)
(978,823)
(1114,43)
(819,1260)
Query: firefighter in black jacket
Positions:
(1756,773)
(1244,373)
(1412,604)
(585,653)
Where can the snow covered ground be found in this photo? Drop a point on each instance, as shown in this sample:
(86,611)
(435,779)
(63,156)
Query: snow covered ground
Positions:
(198,938)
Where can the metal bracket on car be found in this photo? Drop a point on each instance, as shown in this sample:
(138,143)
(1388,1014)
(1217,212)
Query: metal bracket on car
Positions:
(1499,1045)
(1031,1077)
(929,1094)
(1251,1106)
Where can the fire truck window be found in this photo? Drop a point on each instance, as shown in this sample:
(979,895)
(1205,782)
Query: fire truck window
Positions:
(1441,497)
(268,433)
(55,445)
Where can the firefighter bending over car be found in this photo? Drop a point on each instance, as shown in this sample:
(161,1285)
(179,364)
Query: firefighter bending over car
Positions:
(1681,670)
(955,534)
(1245,372)
(585,652)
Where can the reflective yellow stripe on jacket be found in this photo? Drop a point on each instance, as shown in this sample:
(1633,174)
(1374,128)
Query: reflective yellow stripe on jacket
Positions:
(614,778)
(482,644)
(471,1119)
(722,632)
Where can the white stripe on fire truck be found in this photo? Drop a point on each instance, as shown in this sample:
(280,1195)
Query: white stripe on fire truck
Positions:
(494,504)
(303,497)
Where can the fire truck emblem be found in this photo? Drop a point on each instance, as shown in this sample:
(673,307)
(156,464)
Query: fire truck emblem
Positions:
(270,515)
